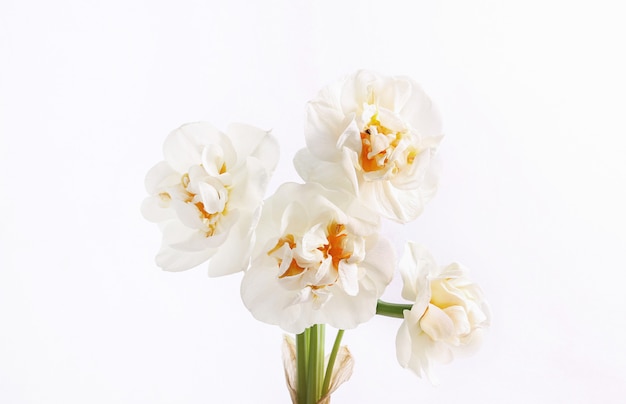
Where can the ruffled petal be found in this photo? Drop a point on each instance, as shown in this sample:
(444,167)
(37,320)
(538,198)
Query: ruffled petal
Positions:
(160,176)
(184,145)
(253,142)
(334,174)
(156,209)
(349,278)
(416,264)
(437,324)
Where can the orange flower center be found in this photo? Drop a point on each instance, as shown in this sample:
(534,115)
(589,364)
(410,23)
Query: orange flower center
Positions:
(335,249)
(210,220)
(375,157)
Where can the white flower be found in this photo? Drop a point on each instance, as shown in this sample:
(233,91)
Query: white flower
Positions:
(448,316)
(318,259)
(375,135)
(206,195)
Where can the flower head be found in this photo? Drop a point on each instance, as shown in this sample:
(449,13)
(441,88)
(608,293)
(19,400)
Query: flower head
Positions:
(206,195)
(318,259)
(376,136)
(448,315)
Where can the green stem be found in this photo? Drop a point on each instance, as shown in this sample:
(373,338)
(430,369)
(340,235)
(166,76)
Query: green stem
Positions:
(321,355)
(392,309)
(315,371)
(302,356)
(331,362)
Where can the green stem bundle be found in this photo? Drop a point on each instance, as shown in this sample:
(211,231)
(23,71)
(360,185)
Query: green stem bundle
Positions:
(313,381)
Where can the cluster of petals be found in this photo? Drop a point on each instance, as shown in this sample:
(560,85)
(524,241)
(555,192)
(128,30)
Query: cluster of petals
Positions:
(312,253)
(318,259)
(448,316)
(375,136)
(206,195)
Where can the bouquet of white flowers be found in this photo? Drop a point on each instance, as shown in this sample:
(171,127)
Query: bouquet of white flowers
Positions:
(313,253)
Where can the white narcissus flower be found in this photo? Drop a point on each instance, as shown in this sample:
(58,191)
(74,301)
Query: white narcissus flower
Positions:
(377,136)
(448,316)
(318,259)
(206,195)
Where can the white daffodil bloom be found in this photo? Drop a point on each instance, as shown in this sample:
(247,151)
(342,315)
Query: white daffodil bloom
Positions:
(447,318)
(376,136)
(318,259)
(207,193)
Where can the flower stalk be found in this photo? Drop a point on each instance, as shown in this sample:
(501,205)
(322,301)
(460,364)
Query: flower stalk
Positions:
(331,362)
(315,374)
(394,310)
(302,356)
(313,381)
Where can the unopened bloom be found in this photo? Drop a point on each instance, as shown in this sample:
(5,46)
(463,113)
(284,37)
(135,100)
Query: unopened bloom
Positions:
(318,259)
(376,136)
(448,316)
(206,195)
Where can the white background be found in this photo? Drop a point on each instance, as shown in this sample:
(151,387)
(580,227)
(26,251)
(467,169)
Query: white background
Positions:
(531,195)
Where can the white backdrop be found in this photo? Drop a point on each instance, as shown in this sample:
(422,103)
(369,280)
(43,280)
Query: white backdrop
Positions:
(531,196)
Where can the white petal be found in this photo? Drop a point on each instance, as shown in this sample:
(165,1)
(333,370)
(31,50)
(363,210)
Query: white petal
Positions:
(319,276)
(188,214)
(356,90)
(437,324)
(156,210)
(415,266)
(175,232)
(267,301)
(396,93)
(346,312)
(233,255)
(350,137)
(396,204)
(213,199)
(349,277)
(213,159)
(183,146)
(159,176)
(333,175)
(295,216)
(421,113)
(197,240)
(254,142)
(305,295)
(391,120)
(403,344)
(458,316)
(325,122)
(249,182)
(311,240)
(379,263)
